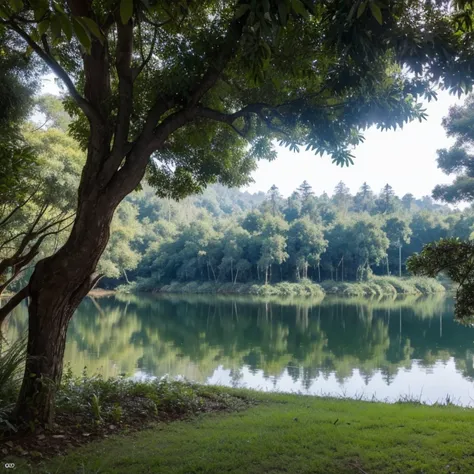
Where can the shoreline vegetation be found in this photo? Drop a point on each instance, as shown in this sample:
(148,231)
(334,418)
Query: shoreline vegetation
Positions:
(120,426)
(375,287)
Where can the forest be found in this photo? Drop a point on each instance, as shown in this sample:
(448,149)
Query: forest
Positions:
(221,234)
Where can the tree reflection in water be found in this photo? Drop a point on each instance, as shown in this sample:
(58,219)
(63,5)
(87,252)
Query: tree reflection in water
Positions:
(305,339)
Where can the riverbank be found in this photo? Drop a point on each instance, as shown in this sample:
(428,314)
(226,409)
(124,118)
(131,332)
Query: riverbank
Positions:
(377,286)
(285,433)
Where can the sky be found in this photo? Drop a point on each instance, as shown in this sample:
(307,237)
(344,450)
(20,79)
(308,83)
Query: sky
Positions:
(405,158)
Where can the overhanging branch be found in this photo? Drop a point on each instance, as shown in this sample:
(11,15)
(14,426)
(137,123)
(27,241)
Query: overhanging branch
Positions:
(85,106)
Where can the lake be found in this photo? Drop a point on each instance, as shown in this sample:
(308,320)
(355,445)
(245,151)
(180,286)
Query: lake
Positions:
(387,349)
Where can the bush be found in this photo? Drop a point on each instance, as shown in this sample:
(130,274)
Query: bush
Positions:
(95,401)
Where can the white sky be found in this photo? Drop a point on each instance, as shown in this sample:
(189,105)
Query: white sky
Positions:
(406,158)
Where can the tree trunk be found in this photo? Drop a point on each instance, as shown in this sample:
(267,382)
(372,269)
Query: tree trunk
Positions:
(231,270)
(60,282)
(126,276)
(56,288)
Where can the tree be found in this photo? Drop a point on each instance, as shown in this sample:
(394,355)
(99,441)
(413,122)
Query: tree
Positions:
(456,259)
(119,255)
(452,256)
(44,208)
(367,244)
(386,202)
(407,201)
(234,261)
(458,160)
(398,232)
(342,197)
(364,200)
(275,199)
(304,190)
(293,207)
(273,252)
(306,243)
(181,89)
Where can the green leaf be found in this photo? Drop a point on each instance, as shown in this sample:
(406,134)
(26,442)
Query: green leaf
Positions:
(361,9)
(376,12)
(58,7)
(34,34)
(93,27)
(126,10)
(299,8)
(16,5)
(40,12)
(3,13)
(65,25)
(55,26)
(241,11)
(82,35)
(43,27)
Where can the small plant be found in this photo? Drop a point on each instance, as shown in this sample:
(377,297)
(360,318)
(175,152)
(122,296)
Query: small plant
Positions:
(96,408)
(116,413)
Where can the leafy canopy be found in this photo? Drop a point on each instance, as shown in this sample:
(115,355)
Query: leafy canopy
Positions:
(238,75)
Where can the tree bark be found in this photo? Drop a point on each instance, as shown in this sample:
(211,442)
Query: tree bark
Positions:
(60,282)
(56,288)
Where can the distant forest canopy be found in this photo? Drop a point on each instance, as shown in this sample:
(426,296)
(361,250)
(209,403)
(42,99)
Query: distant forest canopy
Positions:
(226,235)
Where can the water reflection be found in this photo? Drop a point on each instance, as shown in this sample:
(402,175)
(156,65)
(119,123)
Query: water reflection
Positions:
(382,348)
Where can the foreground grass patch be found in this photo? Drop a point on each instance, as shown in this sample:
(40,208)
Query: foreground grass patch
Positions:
(294,434)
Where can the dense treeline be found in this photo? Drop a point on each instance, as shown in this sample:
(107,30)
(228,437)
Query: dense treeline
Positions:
(226,235)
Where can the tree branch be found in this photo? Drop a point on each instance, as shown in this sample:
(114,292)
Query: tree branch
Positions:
(145,61)
(17,208)
(85,105)
(13,302)
(219,62)
(124,71)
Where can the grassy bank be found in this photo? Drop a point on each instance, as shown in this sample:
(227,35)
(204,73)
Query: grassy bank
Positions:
(287,433)
(384,286)
(302,288)
(377,286)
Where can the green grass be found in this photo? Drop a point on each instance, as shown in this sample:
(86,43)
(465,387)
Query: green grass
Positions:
(290,434)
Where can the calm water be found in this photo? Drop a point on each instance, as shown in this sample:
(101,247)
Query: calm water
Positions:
(383,349)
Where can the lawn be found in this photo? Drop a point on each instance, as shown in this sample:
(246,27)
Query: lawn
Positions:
(293,434)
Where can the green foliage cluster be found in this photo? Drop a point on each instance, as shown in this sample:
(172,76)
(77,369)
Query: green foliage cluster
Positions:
(87,402)
(302,288)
